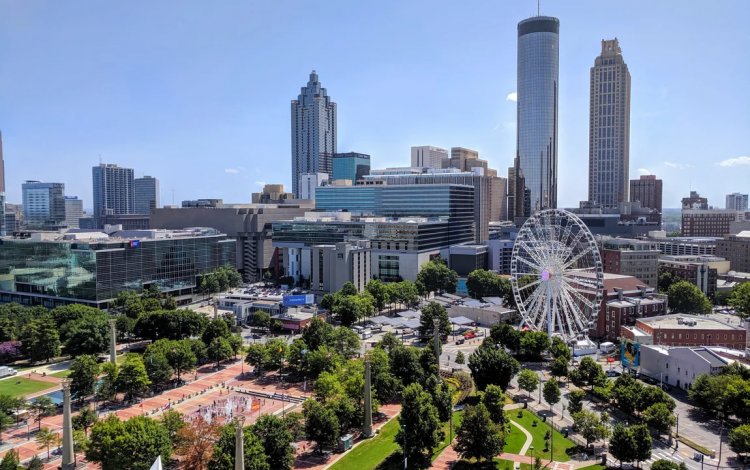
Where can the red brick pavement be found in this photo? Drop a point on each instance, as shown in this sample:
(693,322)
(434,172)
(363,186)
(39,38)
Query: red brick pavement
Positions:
(205,391)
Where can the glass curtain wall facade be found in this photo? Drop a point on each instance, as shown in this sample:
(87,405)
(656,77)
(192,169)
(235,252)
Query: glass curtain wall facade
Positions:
(350,166)
(536,134)
(58,272)
(313,131)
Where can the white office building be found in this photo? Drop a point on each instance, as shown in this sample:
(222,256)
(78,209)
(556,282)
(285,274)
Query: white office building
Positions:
(428,157)
(308,182)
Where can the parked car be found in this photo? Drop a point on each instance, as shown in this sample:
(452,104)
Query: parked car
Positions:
(613,373)
(460,341)
(470,334)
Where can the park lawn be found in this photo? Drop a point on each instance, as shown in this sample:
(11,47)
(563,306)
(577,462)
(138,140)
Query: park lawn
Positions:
(561,444)
(594,467)
(21,386)
(61,374)
(515,440)
(369,454)
(510,465)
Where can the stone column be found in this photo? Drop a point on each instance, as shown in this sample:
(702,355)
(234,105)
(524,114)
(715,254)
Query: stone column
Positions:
(239,444)
(113,341)
(68,453)
(367,426)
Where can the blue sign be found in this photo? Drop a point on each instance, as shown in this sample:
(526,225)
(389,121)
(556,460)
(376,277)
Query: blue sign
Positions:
(630,354)
(297,300)
(135,243)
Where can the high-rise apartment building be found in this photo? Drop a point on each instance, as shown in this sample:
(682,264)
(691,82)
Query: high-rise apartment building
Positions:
(43,204)
(609,127)
(737,201)
(350,166)
(313,131)
(73,211)
(538,90)
(648,191)
(428,157)
(113,190)
(146,194)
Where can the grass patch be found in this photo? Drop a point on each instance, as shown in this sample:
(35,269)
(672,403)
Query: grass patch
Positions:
(561,444)
(21,386)
(61,374)
(594,467)
(697,447)
(369,454)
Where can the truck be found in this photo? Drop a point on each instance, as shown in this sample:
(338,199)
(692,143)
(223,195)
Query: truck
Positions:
(6,371)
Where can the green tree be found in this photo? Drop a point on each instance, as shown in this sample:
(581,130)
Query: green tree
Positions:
(173,421)
(739,439)
(426,322)
(345,341)
(559,350)
(590,426)
(35,463)
(217,328)
(622,444)
(435,276)
(642,439)
(132,378)
(685,297)
(478,437)
(5,422)
(405,365)
(490,365)
(181,357)
(321,425)
(321,360)
(257,356)
(86,335)
(351,308)
(493,399)
(551,392)
(534,343)
(575,401)
(740,300)
(276,441)
(46,439)
(626,393)
(659,417)
(223,453)
(40,340)
(260,319)
(128,303)
(85,419)
(107,389)
(157,366)
(460,358)
(133,444)
(380,293)
(664,464)
(404,292)
(482,283)
(419,426)
(84,371)
(665,281)
(41,407)
(317,333)
(277,350)
(170,324)
(10,460)
(528,380)
(348,289)
(559,367)
(219,350)
(507,336)
(591,373)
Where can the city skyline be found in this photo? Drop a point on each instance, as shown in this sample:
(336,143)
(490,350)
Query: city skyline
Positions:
(157,108)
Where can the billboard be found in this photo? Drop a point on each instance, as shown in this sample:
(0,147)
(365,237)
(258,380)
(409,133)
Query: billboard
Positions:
(135,243)
(297,300)
(630,354)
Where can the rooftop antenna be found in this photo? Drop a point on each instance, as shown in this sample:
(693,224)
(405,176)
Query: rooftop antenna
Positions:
(538,7)
(173,196)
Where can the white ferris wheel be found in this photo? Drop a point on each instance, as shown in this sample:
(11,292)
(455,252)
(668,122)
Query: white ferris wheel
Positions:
(556,274)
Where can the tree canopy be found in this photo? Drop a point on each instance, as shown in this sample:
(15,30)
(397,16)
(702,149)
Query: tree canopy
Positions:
(436,276)
(685,297)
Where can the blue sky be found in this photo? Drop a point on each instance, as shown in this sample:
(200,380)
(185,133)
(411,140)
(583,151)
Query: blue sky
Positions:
(197,93)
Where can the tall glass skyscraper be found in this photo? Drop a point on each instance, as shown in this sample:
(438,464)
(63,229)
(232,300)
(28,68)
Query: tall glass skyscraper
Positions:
(113,190)
(609,127)
(536,130)
(313,131)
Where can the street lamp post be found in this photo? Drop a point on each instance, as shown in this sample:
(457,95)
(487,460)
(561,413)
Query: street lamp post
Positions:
(721,431)
(404,430)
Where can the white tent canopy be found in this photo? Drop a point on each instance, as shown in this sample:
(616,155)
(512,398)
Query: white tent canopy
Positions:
(463,321)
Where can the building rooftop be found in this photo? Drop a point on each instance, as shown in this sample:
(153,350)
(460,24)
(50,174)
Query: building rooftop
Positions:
(682,321)
(116,235)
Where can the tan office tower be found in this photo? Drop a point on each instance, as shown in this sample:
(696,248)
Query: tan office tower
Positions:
(609,127)
(647,190)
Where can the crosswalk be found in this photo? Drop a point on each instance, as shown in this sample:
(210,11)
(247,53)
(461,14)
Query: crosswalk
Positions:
(668,454)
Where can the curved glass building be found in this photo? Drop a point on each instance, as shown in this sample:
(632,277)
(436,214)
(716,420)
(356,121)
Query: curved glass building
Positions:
(536,131)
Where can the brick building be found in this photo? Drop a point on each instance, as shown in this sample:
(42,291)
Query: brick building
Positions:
(625,299)
(709,222)
(736,248)
(630,257)
(685,330)
(702,271)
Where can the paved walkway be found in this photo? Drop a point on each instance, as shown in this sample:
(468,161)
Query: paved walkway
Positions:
(526,433)
(211,393)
